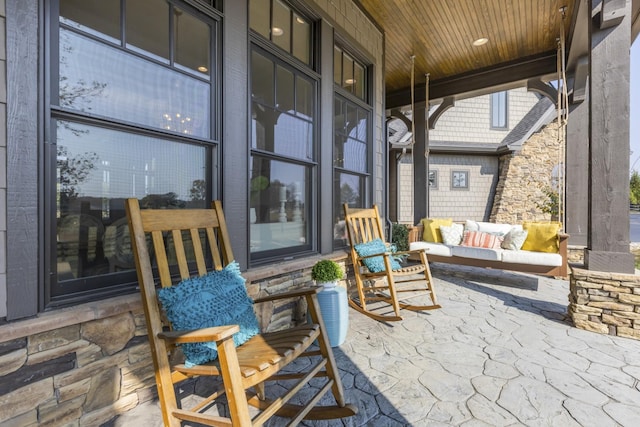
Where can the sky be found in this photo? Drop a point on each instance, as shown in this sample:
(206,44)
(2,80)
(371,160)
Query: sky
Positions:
(634,109)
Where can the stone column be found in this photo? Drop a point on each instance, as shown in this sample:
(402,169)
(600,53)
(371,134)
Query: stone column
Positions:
(610,38)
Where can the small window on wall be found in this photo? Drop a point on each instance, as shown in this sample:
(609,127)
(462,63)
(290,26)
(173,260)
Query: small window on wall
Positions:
(460,180)
(499,110)
(433,180)
(348,73)
(277,22)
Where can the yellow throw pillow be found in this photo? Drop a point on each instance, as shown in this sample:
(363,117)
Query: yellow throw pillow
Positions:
(432,228)
(541,237)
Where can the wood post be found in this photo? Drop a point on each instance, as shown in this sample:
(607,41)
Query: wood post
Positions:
(610,39)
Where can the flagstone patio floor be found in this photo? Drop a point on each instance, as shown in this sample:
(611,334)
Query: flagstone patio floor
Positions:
(500,352)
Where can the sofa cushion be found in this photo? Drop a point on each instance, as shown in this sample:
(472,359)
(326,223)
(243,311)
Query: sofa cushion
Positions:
(451,234)
(439,249)
(479,239)
(533,258)
(514,239)
(542,236)
(489,227)
(432,228)
(478,253)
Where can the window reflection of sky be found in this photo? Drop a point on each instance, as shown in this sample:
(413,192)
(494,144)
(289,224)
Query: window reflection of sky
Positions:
(351,124)
(137,165)
(293,136)
(122,86)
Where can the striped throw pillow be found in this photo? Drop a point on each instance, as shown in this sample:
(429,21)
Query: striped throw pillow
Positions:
(479,239)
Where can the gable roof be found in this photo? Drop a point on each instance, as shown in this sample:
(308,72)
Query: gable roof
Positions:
(541,114)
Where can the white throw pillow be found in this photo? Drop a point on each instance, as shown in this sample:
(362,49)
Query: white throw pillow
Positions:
(451,234)
(514,239)
(471,225)
(499,229)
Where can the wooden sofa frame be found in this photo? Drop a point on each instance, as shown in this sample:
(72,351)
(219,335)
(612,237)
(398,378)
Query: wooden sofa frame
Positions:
(415,234)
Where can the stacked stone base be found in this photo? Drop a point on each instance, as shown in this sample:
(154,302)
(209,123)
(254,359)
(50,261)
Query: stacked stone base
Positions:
(608,303)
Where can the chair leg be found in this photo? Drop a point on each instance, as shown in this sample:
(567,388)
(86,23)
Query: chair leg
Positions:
(260,391)
(236,396)
(326,351)
(429,278)
(393,294)
(361,295)
(168,400)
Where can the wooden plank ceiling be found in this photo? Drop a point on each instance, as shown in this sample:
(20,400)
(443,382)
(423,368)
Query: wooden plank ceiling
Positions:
(440,34)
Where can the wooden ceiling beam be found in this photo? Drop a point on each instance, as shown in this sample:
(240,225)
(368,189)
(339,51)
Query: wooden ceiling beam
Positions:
(501,77)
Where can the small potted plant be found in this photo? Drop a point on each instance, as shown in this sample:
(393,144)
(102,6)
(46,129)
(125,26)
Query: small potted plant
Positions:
(332,300)
(327,273)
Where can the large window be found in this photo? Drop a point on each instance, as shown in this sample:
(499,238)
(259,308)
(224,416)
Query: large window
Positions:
(133,109)
(351,140)
(283,118)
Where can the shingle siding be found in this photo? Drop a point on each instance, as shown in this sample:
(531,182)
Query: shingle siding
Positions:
(474,202)
(468,122)
(470,119)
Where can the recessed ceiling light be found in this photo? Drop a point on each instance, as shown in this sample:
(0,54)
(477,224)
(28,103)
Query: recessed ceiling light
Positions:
(203,69)
(480,41)
(277,31)
(350,81)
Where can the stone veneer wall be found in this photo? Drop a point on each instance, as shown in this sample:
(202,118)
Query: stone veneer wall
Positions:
(608,303)
(523,175)
(84,365)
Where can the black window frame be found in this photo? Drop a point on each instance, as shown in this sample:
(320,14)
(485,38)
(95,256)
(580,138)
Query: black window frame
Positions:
(293,13)
(363,103)
(101,286)
(286,60)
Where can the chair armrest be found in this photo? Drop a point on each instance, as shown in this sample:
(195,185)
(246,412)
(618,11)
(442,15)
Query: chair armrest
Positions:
(409,252)
(415,233)
(392,254)
(373,255)
(290,294)
(217,333)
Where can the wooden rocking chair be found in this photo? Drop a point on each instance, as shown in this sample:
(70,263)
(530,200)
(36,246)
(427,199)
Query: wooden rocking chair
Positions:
(181,234)
(414,281)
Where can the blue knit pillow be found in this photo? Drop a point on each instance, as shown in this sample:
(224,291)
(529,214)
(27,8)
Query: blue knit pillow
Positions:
(375,264)
(215,299)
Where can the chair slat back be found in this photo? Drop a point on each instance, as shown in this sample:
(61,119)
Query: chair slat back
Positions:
(363,225)
(182,239)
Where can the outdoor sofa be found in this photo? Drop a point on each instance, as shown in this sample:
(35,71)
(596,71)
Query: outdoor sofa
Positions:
(531,247)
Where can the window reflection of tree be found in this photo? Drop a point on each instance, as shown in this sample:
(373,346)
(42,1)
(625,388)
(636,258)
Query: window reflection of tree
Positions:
(265,121)
(349,195)
(76,95)
(72,171)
